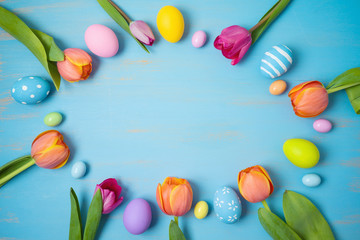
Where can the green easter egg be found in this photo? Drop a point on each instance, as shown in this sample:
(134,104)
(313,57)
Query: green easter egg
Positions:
(302,153)
(53,119)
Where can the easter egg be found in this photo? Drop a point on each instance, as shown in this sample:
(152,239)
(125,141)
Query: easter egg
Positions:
(198,39)
(311,180)
(137,216)
(101,40)
(201,210)
(170,23)
(276,61)
(53,119)
(30,90)
(277,87)
(227,205)
(322,125)
(78,170)
(302,153)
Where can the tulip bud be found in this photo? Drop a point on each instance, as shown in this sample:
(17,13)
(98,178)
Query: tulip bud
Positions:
(110,193)
(142,32)
(234,42)
(309,99)
(49,150)
(255,184)
(76,65)
(174,196)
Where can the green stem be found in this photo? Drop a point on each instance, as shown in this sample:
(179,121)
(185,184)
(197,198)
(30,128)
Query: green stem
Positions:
(266,205)
(120,11)
(262,21)
(13,168)
(176,219)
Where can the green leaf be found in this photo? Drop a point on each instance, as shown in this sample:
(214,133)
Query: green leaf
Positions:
(93,216)
(274,12)
(19,30)
(276,227)
(13,168)
(54,53)
(75,232)
(305,218)
(354,97)
(119,19)
(345,80)
(175,232)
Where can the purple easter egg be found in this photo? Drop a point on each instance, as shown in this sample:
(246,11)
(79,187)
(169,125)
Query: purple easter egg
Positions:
(322,125)
(137,216)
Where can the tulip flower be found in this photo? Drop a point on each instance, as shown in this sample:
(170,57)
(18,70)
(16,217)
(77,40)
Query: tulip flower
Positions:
(235,41)
(76,65)
(142,32)
(309,99)
(48,150)
(255,184)
(174,198)
(110,193)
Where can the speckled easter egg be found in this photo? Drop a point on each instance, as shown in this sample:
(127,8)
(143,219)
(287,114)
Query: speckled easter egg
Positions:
(311,180)
(201,209)
(277,87)
(227,205)
(78,170)
(170,23)
(302,153)
(53,119)
(276,61)
(101,40)
(137,216)
(30,90)
(322,125)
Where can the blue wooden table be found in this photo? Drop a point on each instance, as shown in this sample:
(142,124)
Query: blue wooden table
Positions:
(180,111)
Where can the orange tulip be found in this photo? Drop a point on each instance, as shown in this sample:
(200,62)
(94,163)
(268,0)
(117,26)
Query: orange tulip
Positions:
(309,99)
(49,150)
(174,196)
(76,65)
(255,184)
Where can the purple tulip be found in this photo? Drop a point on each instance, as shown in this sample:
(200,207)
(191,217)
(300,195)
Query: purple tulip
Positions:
(110,193)
(234,42)
(142,32)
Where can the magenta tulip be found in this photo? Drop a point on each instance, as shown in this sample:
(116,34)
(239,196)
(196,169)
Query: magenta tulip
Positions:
(142,32)
(234,42)
(110,193)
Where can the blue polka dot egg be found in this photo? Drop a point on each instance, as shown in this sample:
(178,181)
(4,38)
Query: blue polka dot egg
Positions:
(276,61)
(30,90)
(227,205)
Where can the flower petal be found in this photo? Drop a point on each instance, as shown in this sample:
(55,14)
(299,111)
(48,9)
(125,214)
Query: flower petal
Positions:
(180,200)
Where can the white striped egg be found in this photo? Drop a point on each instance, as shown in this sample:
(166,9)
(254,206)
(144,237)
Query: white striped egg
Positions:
(276,61)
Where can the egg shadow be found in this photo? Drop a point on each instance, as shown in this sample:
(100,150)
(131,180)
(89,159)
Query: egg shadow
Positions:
(154,213)
(120,40)
(187,21)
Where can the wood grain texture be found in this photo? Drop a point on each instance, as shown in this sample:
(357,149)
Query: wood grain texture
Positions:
(183,112)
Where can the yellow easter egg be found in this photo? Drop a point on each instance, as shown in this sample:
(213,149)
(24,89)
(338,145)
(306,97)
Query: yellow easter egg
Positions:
(201,210)
(170,23)
(302,153)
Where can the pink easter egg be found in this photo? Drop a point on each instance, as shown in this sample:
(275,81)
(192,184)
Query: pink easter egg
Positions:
(198,39)
(322,125)
(101,40)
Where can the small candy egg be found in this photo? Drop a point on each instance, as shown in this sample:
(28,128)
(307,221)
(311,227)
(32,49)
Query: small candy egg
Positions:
(276,61)
(322,125)
(78,170)
(101,40)
(137,216)
(302,153)
(30,90)
(277,87)
(53,119)
(198,39)
(170,23)
(201,210)
(311,180)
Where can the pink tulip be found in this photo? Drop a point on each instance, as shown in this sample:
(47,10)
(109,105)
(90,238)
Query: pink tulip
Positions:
(110,193)
(76,65)
(234,42)
(142,32)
